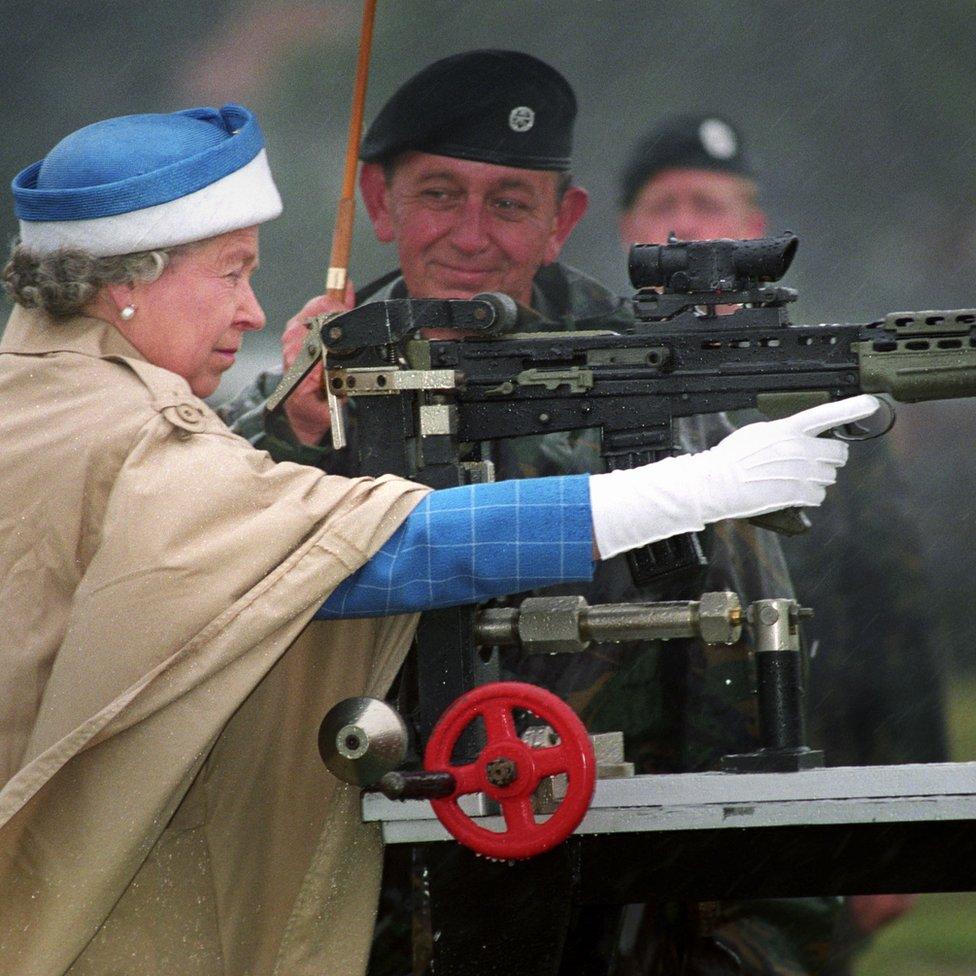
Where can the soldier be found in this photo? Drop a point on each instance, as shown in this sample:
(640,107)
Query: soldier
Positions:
(875,672)
(466,171)
(689,176)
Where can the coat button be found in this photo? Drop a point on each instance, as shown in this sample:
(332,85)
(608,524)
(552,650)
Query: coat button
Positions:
(187,417)
(189,413)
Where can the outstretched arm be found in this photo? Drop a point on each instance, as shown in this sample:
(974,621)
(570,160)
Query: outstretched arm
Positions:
(469,544)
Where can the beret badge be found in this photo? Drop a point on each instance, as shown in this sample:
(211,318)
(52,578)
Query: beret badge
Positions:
(521,118)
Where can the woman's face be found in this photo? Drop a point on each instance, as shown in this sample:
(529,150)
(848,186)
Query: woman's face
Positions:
(191,320)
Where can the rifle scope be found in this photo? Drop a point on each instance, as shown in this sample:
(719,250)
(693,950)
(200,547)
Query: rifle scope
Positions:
(719,266)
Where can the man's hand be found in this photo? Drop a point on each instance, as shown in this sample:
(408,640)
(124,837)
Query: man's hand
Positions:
(307,409)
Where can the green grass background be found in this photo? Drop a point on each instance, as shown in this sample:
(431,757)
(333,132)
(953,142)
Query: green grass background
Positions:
(938,937)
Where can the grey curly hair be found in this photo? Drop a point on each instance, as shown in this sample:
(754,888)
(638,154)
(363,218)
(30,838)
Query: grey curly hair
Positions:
(65,281)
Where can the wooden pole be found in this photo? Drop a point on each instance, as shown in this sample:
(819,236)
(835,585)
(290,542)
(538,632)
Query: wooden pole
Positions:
(335,281)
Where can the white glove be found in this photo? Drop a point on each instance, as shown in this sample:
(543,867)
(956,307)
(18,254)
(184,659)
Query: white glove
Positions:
(757,469)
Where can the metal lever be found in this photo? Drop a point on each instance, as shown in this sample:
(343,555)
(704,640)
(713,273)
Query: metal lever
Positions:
(313,351)
(304,362)
(337,424)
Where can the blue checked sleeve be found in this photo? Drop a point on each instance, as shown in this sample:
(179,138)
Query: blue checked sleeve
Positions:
(469,544)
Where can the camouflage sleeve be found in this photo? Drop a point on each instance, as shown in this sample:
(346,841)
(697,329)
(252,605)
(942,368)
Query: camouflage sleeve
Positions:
(545,455)
(245,415)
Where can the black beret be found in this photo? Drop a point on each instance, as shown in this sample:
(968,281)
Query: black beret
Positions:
(501,107)
(685,141)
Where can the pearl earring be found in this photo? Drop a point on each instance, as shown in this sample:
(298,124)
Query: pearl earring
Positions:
(128,312)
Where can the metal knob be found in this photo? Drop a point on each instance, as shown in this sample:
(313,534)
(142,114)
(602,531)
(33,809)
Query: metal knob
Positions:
(362,739)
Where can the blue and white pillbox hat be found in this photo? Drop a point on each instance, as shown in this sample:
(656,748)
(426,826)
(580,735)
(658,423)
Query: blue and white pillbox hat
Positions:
(140,182)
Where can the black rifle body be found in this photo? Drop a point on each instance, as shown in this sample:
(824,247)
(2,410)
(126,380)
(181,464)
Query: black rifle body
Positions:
(429,409)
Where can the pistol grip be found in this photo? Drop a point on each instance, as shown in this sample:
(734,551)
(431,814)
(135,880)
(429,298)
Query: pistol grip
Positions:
(787,521)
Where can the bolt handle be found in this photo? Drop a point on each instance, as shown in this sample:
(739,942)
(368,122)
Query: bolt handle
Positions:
(415,784)
(508,770)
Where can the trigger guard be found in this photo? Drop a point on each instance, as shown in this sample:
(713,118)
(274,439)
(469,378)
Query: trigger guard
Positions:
(878,424)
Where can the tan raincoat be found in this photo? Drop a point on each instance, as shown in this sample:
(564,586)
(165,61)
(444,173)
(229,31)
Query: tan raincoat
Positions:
(164,808)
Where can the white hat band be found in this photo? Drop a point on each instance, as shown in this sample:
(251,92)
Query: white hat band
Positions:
(244,198)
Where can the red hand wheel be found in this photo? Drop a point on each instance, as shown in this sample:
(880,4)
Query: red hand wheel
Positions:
(509,771)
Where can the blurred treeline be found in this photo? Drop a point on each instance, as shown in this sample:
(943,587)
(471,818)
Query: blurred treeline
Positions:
(859,118)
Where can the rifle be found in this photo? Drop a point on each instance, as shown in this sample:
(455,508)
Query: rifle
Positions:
(430,409)
(678,358)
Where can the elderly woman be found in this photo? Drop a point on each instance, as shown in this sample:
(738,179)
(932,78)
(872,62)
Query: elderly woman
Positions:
(161,676)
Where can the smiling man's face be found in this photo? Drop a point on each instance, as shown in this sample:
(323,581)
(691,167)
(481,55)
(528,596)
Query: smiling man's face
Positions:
(462,227)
